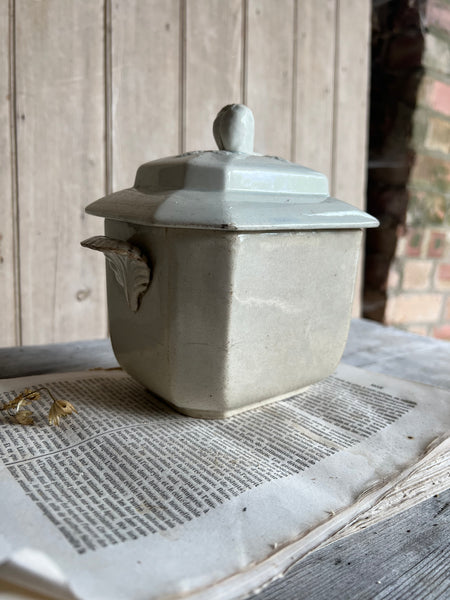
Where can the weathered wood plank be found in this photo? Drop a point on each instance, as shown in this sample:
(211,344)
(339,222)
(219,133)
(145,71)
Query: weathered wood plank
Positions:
(406,556)
(60,110)
(56,358)
(213,65)
(369,346)
(314,85)
(9,321)
(269,73)
(145,84)
(348,180)
(351,100)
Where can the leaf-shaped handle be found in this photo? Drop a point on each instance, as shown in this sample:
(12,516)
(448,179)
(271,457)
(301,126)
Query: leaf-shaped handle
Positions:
(129,265)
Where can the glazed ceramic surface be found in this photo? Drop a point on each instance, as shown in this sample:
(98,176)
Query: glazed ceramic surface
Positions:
(230,276)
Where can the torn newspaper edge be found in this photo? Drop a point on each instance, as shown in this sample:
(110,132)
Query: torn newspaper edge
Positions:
(34,571)
(377,503)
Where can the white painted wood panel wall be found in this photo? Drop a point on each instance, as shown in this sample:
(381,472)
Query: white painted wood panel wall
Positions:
(89,89)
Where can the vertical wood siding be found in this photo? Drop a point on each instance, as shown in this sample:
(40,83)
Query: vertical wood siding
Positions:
(213,66)
(9,260)
(145,84)
(60,165)
(270,49)
(91,89)
(314,85)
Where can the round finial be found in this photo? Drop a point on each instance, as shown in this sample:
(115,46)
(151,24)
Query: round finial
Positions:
(234,129)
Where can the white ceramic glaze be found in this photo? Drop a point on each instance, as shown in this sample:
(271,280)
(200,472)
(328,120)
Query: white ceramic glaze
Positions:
(253,270)
(234,129)
(229,189)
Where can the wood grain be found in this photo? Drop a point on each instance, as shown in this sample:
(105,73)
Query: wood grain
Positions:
(269,73)
(10,317)
(145,62)
(348,180)
(314,85)
(351,100)
(213,66)
(60,149)
(406,556)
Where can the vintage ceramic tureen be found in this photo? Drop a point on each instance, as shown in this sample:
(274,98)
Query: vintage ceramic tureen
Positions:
(230,275)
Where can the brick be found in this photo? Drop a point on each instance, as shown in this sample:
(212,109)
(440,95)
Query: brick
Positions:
(437,209)
(442,332)
(427,208)
(439,97)
(437,53)
(436,246)
(442,279)
(393,279)
(438,14)
(416,274)
(401,231)
(446,253)
(433,172)
(413,308)
(420,125)
(447,309)
(438,135)
(424,91)
(402,242)
(414,242)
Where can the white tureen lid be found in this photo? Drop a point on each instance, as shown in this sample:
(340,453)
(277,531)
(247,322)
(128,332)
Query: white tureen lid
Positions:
(230,189)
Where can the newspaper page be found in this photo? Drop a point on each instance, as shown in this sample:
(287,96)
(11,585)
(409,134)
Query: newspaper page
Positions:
(128,499)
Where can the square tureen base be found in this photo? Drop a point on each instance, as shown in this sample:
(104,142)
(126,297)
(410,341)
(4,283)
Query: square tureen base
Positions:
(233,320)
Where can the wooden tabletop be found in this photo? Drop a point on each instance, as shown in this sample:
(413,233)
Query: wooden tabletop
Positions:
(407,556)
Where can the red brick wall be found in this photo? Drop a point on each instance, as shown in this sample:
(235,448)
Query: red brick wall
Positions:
(407,271)
(418,287)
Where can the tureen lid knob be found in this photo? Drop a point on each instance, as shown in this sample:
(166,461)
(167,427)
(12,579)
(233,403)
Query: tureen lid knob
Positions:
(234,129)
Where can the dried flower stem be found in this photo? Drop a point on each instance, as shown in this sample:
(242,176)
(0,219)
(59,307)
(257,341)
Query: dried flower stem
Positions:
(58,409)
(45,389)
